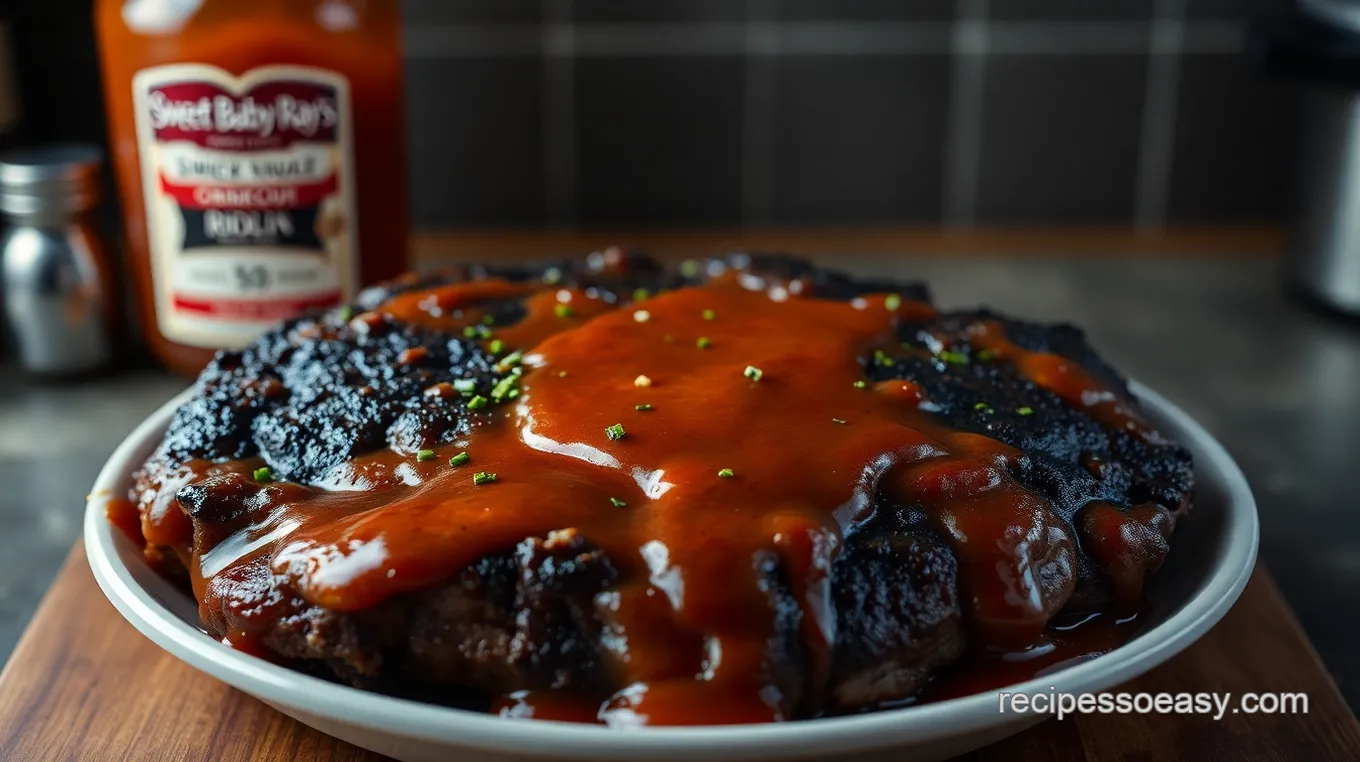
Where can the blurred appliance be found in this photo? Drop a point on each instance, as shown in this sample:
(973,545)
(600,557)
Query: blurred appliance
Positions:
(9,122)
(57,275)
(1319,45)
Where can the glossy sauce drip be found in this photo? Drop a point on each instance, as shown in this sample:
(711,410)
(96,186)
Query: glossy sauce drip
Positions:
(749,439)
(123,514)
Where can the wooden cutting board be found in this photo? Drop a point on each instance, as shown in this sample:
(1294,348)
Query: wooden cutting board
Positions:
(83,685)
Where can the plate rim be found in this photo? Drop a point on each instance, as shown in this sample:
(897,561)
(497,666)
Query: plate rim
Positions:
(432,723)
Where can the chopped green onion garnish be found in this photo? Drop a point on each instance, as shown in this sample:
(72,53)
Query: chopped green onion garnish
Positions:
(501,391)
(983,406)
(753,373)
(985,355)
(617,503)
(640,294)
(483,477)
(563,310)
(1025,411)
(470,332)
(644,407)
(477,403)
(496,347)
(263,474)
(892,302)
(882,359)
(708,314)
(957,358)
(465,385)
(346,313)
(484,332)
(509,361)
(703,342)
(488,320)
(838,420)
(460,459)
(860,384)
(424,455)
(615,432)
(727,473)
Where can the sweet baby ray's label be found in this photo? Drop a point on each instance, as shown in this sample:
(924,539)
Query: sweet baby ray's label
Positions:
(249,190)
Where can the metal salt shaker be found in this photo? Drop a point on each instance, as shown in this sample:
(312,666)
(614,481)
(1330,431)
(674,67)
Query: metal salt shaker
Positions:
(58,281)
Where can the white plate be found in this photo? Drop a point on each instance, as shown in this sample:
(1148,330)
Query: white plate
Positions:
(1212,555)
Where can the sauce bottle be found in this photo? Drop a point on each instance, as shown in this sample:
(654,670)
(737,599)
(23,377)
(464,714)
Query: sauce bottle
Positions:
(259,152)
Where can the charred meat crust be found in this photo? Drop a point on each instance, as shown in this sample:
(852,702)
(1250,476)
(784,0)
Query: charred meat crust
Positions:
(319,390)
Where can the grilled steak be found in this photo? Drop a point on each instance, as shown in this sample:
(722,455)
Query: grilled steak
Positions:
(875,508)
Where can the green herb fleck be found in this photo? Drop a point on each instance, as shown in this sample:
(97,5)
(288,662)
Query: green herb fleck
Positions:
(483,477)
(477,403)
(727,473)
(615,432)
(465,385)
(495,347)
(860,384)
(689,268)
(460,459)
(644,407)
(708,314)
(346,313)
(841,421)
(424,455)
(1025,411)
(617,503)
(488,320)
(509,361)
(985,355)
(882,359)
(470,332)
(639,294)
(263,475)
(563,310)
(703,342)
(501,391)
(983,407)
(957,358)
(753,373)
(892,302)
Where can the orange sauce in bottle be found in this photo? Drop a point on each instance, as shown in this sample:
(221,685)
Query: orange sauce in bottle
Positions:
(259,152)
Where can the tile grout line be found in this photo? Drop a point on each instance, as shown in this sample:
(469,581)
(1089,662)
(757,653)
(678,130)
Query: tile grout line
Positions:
(962,161)
(559,114)
(758,104)
(1157,138)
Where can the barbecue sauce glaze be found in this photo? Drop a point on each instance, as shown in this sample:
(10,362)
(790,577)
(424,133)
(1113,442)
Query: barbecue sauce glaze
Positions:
(748,429)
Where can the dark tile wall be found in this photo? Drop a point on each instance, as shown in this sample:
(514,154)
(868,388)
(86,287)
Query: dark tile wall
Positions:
(837,112)
(1060,138)
(617,113)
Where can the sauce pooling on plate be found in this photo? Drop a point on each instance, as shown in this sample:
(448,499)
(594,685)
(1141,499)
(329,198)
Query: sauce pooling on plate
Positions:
(692,438)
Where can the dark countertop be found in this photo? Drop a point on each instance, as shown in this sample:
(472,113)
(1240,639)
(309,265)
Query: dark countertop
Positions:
(1277,384)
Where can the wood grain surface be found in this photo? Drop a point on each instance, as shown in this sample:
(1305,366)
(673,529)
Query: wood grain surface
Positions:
(83,685)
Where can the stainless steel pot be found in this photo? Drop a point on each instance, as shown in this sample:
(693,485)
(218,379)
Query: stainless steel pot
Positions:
(1320,46)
